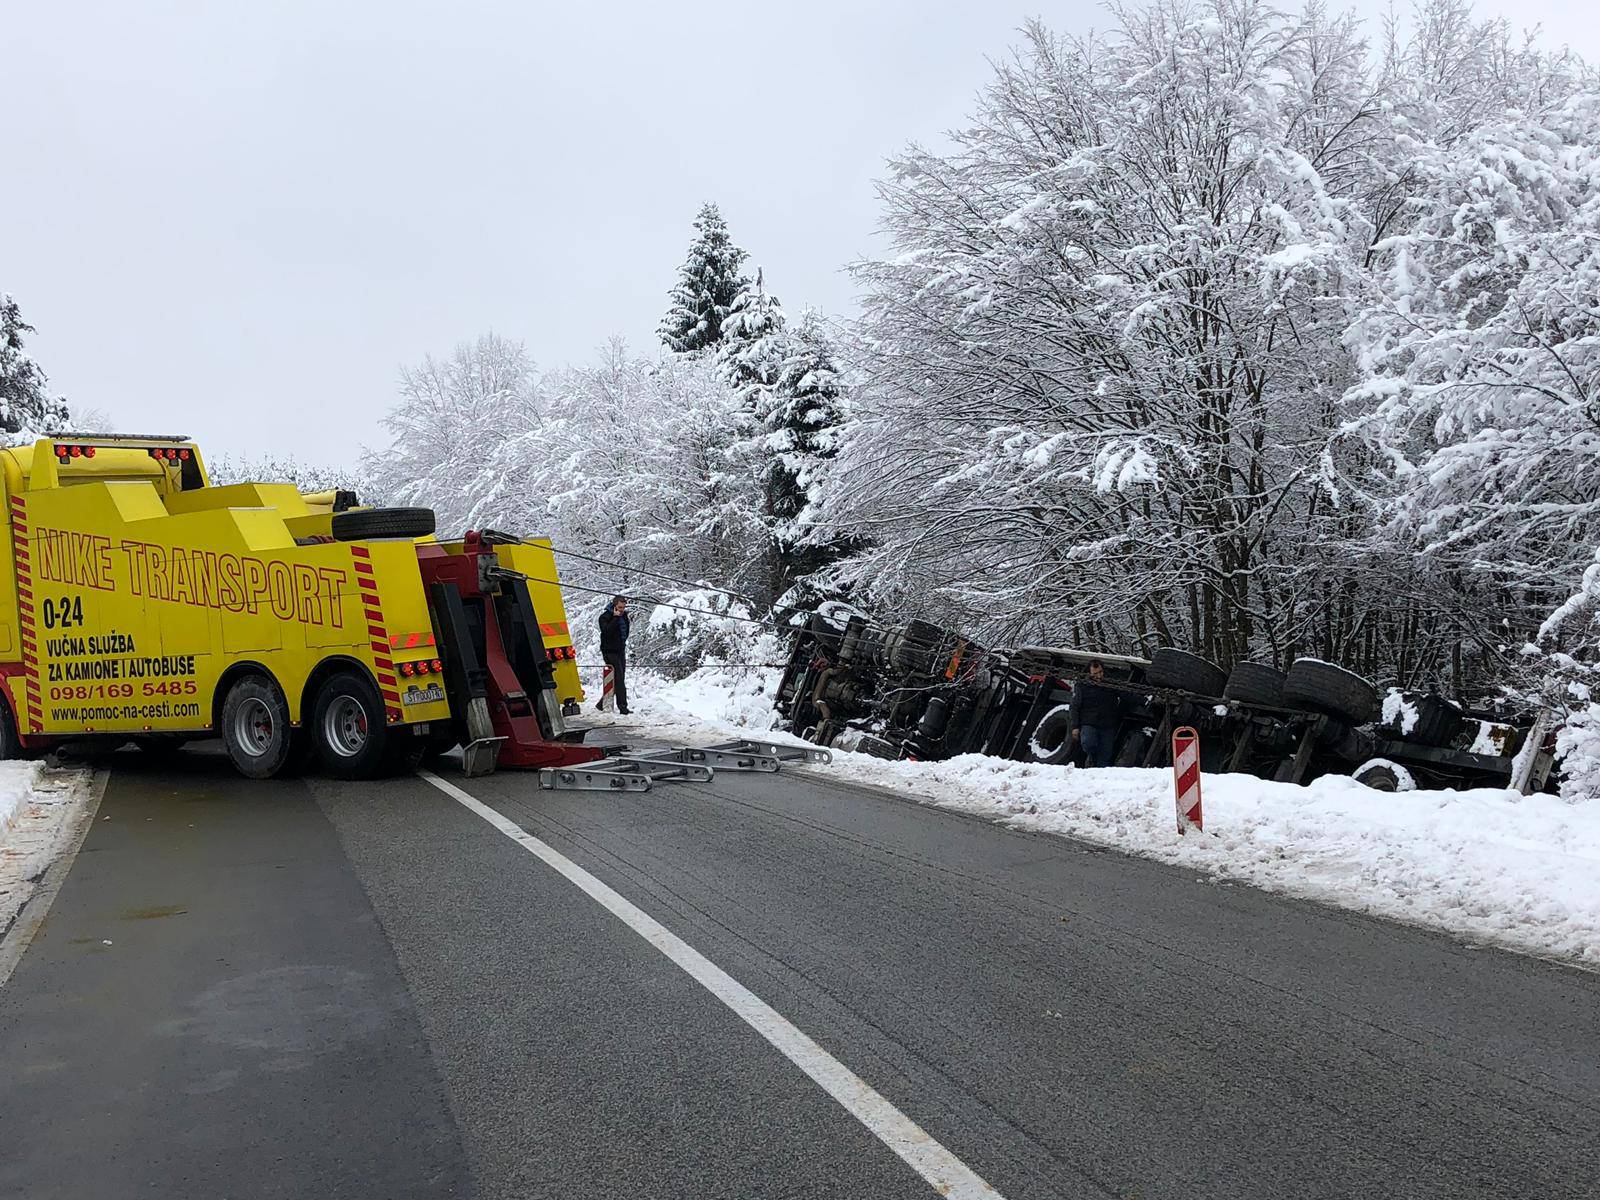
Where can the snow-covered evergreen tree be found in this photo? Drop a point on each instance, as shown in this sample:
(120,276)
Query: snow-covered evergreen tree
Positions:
(26,403)
(804,424)
(709,282)
(755,344)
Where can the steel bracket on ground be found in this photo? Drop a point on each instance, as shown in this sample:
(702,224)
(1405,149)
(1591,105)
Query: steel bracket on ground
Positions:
(782,751)
(721,757)
(659,767)
(593,779)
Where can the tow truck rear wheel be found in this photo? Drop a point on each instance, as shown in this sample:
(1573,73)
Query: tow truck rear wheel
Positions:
(348,727)
(255,727)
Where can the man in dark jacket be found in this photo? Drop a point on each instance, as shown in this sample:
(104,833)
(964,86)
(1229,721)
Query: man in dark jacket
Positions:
(614,647)
(1096,711)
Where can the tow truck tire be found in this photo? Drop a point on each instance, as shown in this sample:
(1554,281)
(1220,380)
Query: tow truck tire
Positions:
(349,728)
(363,523)
(255,727)
(1255,683)
(1173,668)
(1325,688)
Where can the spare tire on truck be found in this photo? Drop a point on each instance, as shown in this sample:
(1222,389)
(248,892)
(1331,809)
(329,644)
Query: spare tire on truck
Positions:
(362,523)
(1255,683)
(1173,668)
(1322,687)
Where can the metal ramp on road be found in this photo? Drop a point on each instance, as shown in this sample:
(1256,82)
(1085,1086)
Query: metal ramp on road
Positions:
(628,771)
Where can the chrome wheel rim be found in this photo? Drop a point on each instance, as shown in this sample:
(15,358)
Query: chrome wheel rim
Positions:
(253,727)
(344,726)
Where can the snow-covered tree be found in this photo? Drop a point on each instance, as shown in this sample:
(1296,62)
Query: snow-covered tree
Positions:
(27,405)
(1101,363)
(803,428)
(755,343)
(1098,359)
(272,468)
(624,461)
(1475,430)
(451,417)
(709,282)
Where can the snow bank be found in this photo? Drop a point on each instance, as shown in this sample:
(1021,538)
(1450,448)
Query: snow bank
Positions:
(17,780)
(1489,865)
(719,696)
(37,804)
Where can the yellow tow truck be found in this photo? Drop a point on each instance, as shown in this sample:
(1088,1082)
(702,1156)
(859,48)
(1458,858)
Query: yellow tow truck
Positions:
(142,603)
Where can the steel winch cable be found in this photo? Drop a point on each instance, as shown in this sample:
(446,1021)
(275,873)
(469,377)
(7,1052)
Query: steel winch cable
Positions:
(702,667)
(701,585)
(697,585)
(644,599)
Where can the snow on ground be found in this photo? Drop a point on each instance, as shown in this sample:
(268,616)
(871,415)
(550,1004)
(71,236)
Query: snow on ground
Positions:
(38,805)
(1489,865)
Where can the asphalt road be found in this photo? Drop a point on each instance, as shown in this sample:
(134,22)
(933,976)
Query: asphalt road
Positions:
(316,989)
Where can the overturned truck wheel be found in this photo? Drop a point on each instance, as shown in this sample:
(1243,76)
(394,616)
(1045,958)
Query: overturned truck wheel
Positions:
(1051,740)
(1381,775)
(1255,683)
(1322,687)
(1173,668)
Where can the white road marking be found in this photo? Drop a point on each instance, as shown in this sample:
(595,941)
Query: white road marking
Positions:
(945,1173)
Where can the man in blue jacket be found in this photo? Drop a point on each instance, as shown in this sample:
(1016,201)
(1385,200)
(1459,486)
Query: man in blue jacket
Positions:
(614,646)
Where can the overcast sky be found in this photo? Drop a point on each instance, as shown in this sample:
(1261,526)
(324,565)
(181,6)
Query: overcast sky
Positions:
(236,221)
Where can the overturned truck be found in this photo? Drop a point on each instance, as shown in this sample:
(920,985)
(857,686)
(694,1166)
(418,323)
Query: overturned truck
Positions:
(919,691)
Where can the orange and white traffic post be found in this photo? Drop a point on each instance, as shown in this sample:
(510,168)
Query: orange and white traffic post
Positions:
(608,689)
(1186,776)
